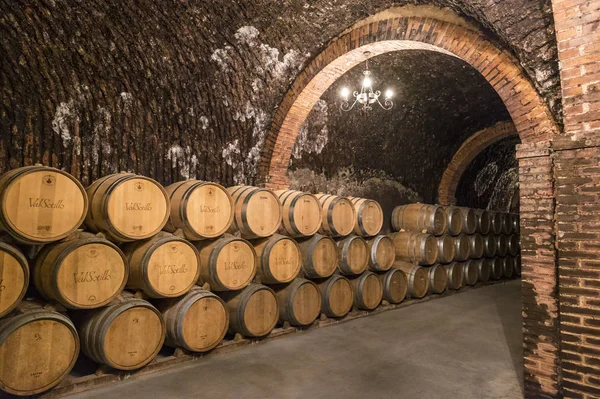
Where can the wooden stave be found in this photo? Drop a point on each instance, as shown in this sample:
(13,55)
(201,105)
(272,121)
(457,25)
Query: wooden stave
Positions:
(386,281)
(483,221)
(140,252)
(516,223)
(374,262)
(489,246)
(285,299)
(240,221)
(476,245)
(327,225)
(469,219)
(446,249)
(496,223)
(63,249)
(91,342)
(455,275)
(288,199)
(426,243)
(263,249)
(25,313)
(470,269)
(518,266)
(101,222)
(174,310)
(484,269)
(497,268)
(359,284)
(513,244)
(437,275)
(418,224)
(501,245)
(213,248)
(343,246)
(178,214)
(22,260)
(359,206)
(506,223)
(413,273)
(462,248)
(307,248)
(454,221)
(326,286)
(508,266)
(8,178)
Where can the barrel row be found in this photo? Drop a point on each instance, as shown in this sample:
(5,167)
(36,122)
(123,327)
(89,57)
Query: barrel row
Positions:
(452,220)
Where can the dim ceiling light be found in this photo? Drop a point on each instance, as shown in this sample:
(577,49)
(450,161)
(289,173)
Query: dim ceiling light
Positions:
(366,96)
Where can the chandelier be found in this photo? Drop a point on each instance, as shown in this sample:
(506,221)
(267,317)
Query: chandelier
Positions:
(366,97)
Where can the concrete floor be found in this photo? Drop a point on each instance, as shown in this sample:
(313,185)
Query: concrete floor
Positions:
(463,346)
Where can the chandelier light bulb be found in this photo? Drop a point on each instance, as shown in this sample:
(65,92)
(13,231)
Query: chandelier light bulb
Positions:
(367,82)
(345,92)
(389,93)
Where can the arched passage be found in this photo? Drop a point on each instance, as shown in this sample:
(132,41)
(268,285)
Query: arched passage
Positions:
(385,34)
(466,153)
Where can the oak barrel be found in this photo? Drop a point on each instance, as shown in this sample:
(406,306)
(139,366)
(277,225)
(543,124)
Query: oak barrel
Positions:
(381,253)
(501,245)
(513,244)
(507,224)
(299,302)
(368,216)
(476,246)
(445,249)
(257,211)
(438,279)
(196,321)
(38,348)
(454,220)
(164,266)
(395,285)
(470,272)
(497,266)
(83,272)
(455,272)
(508,266)
(418,281)
(420,218)
(320,256)
(518,265)
(368,291)
(469,219)
(354,255)
(337,296)
(515,223)
(127,207)
(200,209)
(421,248)
(483,221)
(301,213)
(484,269)
(253,311)
(495,222)
(14,277)
(228,263)
(126,335)
(489,246)
(462,248)
(279,259)
(338,215)
(39,204)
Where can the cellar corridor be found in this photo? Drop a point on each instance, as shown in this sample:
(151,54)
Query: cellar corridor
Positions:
(461,346)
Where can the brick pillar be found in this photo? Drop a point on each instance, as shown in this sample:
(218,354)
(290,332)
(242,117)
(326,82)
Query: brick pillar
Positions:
(539,279)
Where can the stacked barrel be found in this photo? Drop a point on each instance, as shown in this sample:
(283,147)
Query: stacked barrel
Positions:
(443,248)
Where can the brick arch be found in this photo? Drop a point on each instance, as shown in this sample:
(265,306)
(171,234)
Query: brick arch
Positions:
(389,33)
(470,148)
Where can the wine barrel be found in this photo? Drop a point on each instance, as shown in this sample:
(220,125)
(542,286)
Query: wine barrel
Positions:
(446,249)
(337,296)
(476,246)
(483,221)
(489,246)
(253,311)
(38,348)
(420,218)
(513,244)
(497,268)
(368,216)
(415,247)
(496,222)
(320,256)
(462,248)
(301,213)
(196,321)
(14,277)
(226,264)
(164,266)
(299,302)
(381,253)
(354,255)
(394,285)
(470,272)
(368,291)
(501,245)
(418,281)
(39,204)
(201,209)
(83,272)
(338,216)
(279,259)
(454,220)
(518,265)
(484,269)
(508,266)
(515,223)
(438,279)
(126,335)
(257,211)
(127,207)
(469,219)
(455,272)
(506,223)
